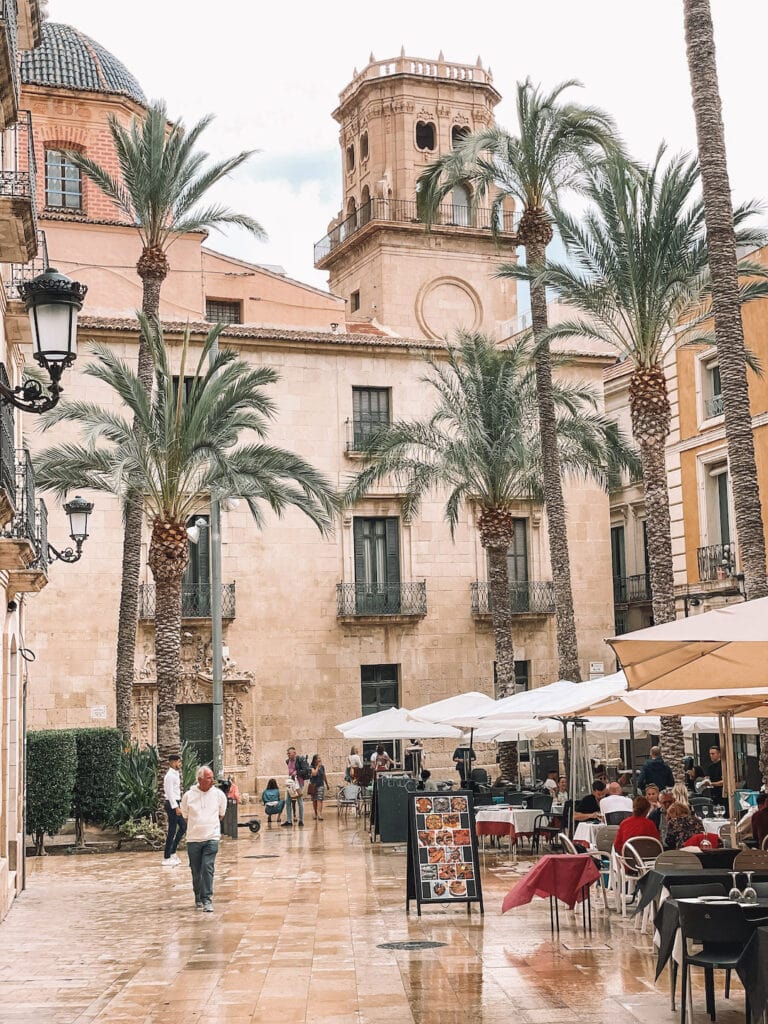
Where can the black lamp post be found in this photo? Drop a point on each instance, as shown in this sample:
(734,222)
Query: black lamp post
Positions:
(78,510)
(53,301)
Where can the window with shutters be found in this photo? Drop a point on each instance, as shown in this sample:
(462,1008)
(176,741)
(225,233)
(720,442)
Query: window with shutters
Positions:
(63,182)
(379,690)
(196,584)
(517,567)
(370,412)
(618,564)
(377,565)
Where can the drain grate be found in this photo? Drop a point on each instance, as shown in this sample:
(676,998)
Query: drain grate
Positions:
(411,945)
(261,856)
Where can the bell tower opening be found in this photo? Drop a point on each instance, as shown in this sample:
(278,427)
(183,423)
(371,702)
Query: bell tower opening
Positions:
(395,118)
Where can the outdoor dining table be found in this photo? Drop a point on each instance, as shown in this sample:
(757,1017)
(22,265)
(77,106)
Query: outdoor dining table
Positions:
(652,884)
(586,832)
(667,923)
(564,876)
(752,973)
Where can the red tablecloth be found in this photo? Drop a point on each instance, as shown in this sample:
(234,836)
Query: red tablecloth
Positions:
(495,828)
(561,875)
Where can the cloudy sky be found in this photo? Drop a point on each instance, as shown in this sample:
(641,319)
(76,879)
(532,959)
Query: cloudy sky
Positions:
(271,73)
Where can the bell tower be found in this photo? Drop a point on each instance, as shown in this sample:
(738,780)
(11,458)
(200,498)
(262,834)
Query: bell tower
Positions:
(396,117)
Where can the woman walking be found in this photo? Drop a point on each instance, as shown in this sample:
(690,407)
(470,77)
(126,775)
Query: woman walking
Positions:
(316,787)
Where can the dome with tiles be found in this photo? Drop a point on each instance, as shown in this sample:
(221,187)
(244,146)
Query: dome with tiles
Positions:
(69,59)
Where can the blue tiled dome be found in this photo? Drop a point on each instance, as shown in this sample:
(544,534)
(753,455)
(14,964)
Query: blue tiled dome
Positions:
(70,59)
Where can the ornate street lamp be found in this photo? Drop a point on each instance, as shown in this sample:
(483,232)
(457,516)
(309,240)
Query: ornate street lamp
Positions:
(53,301)
(78,510)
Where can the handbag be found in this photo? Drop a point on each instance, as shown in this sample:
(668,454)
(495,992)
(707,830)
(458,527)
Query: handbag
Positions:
(312,789)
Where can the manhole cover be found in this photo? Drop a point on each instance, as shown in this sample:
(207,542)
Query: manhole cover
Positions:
(261,856)
(411,945)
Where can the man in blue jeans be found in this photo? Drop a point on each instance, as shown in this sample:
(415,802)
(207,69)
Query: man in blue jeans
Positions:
(203,806)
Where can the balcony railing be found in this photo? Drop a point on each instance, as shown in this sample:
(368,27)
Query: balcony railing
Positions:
(714,406)
(41,538)
(24,525)
(631,589)
(717,562)
(9,61)
(21,272)
(18,201)
(195,601)
(403,211)
(364,599)
(7,439)
(529,597)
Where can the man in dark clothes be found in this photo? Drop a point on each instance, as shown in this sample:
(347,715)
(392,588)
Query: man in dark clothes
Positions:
(759,819)
(656,772)
(715,773)
(588,809)
(463,758)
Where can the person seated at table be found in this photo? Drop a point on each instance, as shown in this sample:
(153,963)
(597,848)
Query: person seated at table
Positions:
(614,800)
(682,823)
(382,762)
(588,808)
(427,782)
(760,819)
(680,793)
(550,783)
(637,824)
(561,793)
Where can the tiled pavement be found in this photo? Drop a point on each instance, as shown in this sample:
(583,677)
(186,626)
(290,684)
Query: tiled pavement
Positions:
(298,919)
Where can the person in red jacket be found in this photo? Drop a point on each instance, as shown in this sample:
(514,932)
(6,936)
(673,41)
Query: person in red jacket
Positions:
(638,824)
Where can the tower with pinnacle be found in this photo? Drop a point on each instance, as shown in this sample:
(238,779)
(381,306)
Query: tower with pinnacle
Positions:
(395,117)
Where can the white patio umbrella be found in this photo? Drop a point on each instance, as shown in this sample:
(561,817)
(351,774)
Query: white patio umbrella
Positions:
(463,708)
(396,724)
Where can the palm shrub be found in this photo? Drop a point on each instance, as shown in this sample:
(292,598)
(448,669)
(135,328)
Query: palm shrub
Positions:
(96,781)
(162,187)
(482,445)
(189,765)
(185,449)
(638,280)
(51,768)
(556,141)
(136,784)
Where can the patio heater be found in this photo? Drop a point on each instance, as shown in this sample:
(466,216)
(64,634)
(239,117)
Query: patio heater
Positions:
(580,774)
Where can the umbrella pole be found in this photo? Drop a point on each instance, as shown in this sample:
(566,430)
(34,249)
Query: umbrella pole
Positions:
(632,754)
(730,766)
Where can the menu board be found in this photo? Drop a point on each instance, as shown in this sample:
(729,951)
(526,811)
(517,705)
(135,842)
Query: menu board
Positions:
(443,863)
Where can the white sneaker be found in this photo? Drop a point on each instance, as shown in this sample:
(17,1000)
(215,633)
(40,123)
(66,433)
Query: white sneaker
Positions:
(169,862)
(175,859)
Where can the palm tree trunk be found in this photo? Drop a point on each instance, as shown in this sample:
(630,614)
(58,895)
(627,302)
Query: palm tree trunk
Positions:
(168,661)
(729,331)
(567,644)
(651,414)
(131,566)
(501,616)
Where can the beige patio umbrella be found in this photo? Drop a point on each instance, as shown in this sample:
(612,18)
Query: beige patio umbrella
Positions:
(723,649)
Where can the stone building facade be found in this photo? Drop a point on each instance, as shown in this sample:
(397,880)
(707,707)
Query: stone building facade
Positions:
(305,647)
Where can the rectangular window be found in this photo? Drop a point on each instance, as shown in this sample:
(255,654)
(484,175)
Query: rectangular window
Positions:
(196,584)
(220,311)
(196,728)
(379,690)
(377,565)
(522,677)
(713,391)
(63,182)
(517,556)
(354,302)
(618,564)
(718,513)
(370,412)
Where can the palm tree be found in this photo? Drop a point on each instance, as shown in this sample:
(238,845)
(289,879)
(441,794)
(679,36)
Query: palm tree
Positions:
(482,444)
(729,331)
(185,450)
(163,182)
(637,270)
(556,141)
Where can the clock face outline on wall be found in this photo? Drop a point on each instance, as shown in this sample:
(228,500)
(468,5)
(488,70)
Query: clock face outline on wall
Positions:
(445,304)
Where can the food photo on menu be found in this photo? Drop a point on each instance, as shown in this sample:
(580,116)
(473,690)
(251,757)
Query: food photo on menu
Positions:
(444,845)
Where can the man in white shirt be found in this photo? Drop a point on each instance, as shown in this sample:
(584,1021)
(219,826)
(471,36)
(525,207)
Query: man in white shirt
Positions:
(176,824)
(550,783)
(614,801)
(203,806)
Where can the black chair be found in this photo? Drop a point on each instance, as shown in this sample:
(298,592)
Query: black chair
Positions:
(541,802)
(690,890)
(616,817)
(761,888)
(707,925)
(701,806)
(548,827)
(480,777)
(518,799)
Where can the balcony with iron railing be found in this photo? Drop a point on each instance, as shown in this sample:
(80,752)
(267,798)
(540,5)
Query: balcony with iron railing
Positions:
(7,456)
(375,600)
(195,601)
(18,202)
(403,212)
(526,597)
(717,562)
(631,589)
(19,273)
(19,539)
(713,406)
(9,62)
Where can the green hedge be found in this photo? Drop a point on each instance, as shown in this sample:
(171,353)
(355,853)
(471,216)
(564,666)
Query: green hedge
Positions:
(51,773)
(98,761)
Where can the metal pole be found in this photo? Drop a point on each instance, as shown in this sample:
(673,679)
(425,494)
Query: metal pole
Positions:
(632,754)
(216,627)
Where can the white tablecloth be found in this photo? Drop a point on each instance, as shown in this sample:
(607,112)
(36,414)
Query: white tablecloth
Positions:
(503,814)
(715,824)
(586,832)
(523,820)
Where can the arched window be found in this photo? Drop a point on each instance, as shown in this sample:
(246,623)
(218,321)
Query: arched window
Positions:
(349,224)
(460,206)
(365,206)
(459,132)
(364,146)
(425,134)
(350,158)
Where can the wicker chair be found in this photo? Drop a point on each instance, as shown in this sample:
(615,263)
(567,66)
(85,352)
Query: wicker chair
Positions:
(751,860)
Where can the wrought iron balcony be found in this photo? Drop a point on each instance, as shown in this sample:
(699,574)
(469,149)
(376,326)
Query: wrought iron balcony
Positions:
(195,601)
(7,456)
(403,211)
(717,561)
(631,589)
(21,272)
(18,203)
(529,597)
(714,406)
(20,536)
(356,600)
(9,62)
